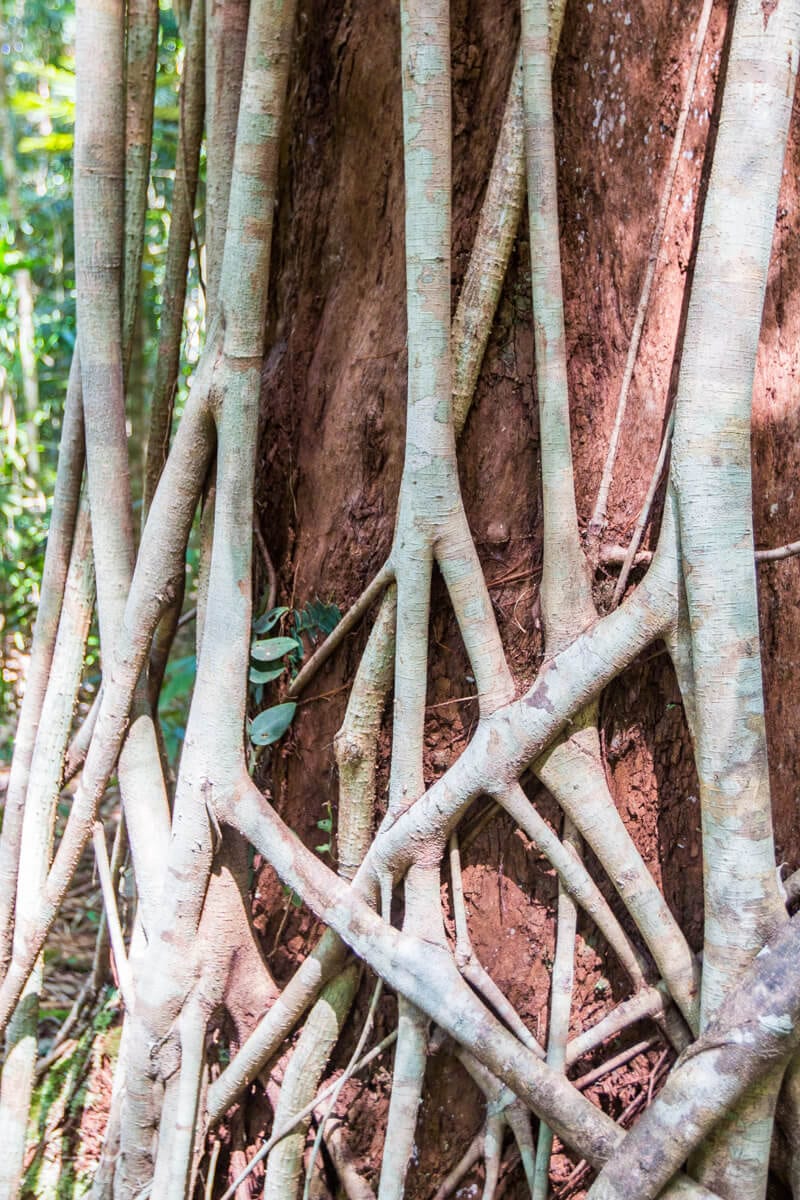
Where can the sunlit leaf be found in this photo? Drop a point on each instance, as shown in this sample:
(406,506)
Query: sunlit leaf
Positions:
(50,143)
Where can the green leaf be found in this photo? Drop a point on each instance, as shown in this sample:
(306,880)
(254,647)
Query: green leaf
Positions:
(257,676)
(34,106)
(326,824)
(272,648)
(318,617)
(272,724)
(292,896)
(50,143)
(324,848)
(265,622)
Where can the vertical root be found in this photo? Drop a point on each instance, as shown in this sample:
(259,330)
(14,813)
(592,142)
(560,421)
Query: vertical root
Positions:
(36,845)
(424,918)
(560,1005)
(301,1080)
(190,131)
(573,772)
(577,881)
(174,1162)
(56,565)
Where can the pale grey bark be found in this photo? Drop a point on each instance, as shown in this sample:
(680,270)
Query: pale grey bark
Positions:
(751,1035)
(712,426)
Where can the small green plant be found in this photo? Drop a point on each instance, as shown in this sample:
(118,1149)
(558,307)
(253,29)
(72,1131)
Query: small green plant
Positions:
(326,825)
(292,896)
(279,654)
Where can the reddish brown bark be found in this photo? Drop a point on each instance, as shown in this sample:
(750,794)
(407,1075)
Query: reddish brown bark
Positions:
(331,455)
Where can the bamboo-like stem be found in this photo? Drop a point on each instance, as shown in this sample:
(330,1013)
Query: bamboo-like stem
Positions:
(140,81)
(190,133)
(56,564)
(112,915)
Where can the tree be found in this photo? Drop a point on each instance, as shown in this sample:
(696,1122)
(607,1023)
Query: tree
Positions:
(191,953)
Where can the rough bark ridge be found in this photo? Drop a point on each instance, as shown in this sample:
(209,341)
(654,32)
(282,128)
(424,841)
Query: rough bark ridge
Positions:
(511,703)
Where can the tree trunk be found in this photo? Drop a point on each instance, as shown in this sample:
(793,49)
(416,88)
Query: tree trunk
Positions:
(333,421)
(528,674)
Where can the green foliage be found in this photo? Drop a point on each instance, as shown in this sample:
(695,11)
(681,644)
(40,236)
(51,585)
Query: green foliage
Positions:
(269,619)
(326,825)
(292,897)
(58,1103)
(316,620)
(37,105)
(272,649)
(272,723)
(172,702)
